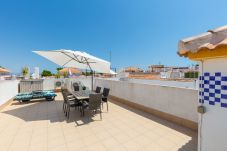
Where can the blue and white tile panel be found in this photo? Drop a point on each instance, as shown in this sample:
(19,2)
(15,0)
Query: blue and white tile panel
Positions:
(213,89)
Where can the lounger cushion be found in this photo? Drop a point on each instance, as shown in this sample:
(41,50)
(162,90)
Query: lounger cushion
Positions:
(26,96)
(35,95)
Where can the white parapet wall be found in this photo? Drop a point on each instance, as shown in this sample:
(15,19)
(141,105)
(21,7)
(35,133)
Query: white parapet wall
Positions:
(49,84)
(180,102)
(8,89)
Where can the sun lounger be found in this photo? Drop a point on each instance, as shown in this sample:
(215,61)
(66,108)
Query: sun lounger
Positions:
(24,97)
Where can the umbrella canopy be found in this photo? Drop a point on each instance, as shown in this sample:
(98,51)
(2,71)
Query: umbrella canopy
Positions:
(76,59)
(2,70)
(113,72)
(68,70)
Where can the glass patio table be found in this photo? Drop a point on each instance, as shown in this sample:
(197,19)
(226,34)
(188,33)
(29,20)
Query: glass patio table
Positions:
(82,95)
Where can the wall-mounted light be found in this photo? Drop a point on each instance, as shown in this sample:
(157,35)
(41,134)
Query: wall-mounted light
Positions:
(201,109)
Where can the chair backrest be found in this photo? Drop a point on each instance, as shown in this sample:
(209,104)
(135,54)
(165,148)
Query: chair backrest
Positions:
(98,89)
(76,86)
(65,94)
(106,92)
(95,101)
(62,90)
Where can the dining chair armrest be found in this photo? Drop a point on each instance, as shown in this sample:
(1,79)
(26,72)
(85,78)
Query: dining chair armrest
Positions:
(85,104)
(70,96)
(71,99)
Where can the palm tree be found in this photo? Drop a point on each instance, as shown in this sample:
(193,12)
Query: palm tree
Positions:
(58,75)
(25,71)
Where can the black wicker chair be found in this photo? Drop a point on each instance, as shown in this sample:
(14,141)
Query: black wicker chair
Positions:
(65,94)
(98,90)
(93,105)
(69,101)
(76,86)
(105,97)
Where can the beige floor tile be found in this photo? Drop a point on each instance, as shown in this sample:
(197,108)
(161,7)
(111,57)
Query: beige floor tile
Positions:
(52,135)
(165,143)
(38,140)
(40,146)
(96,147)
(143,140)
(59,148)
(6,141)
(119,148)
(132,146)
(75,145)
(72,137)
(113,131)
(84,133)
(103,135)
(18,145)
(153,147)
(178,148)
(152,135)
(18,148)
(110,143)
(90,140)
(4,147)
(55,142)
(121,138)
(82,149)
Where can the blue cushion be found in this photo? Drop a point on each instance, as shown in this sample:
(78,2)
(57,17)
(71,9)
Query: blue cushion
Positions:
(35,94)
(23,97)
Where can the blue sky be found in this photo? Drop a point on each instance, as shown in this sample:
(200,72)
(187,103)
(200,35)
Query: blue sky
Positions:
(137,32)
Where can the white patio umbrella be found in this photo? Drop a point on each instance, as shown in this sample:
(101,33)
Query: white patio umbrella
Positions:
(76,59)
(113,72)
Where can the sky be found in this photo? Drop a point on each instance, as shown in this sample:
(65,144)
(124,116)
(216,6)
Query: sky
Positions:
(137,32)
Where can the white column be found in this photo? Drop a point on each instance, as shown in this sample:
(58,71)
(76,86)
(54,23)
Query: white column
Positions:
(213,92)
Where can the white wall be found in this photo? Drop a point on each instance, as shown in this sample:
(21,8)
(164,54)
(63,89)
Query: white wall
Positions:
(181,102)
(213,133)
(181,84)
(8,89)
(49,84)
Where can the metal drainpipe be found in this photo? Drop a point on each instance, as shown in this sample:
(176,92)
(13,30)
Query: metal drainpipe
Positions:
(201,115)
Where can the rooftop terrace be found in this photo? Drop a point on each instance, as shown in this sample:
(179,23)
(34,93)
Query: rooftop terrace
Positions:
(42,126)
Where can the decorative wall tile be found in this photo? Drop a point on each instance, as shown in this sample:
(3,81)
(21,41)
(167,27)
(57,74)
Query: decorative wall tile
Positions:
(213,89)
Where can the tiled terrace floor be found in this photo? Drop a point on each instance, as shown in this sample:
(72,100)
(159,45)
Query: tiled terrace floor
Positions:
(41,126)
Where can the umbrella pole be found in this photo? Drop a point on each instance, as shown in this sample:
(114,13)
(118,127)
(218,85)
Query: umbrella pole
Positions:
(92,76)
(92,79)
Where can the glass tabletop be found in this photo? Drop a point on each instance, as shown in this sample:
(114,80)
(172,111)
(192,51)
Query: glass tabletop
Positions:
(82,94)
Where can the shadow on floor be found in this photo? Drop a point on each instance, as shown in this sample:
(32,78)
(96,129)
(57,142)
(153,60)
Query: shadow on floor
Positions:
(37,110)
